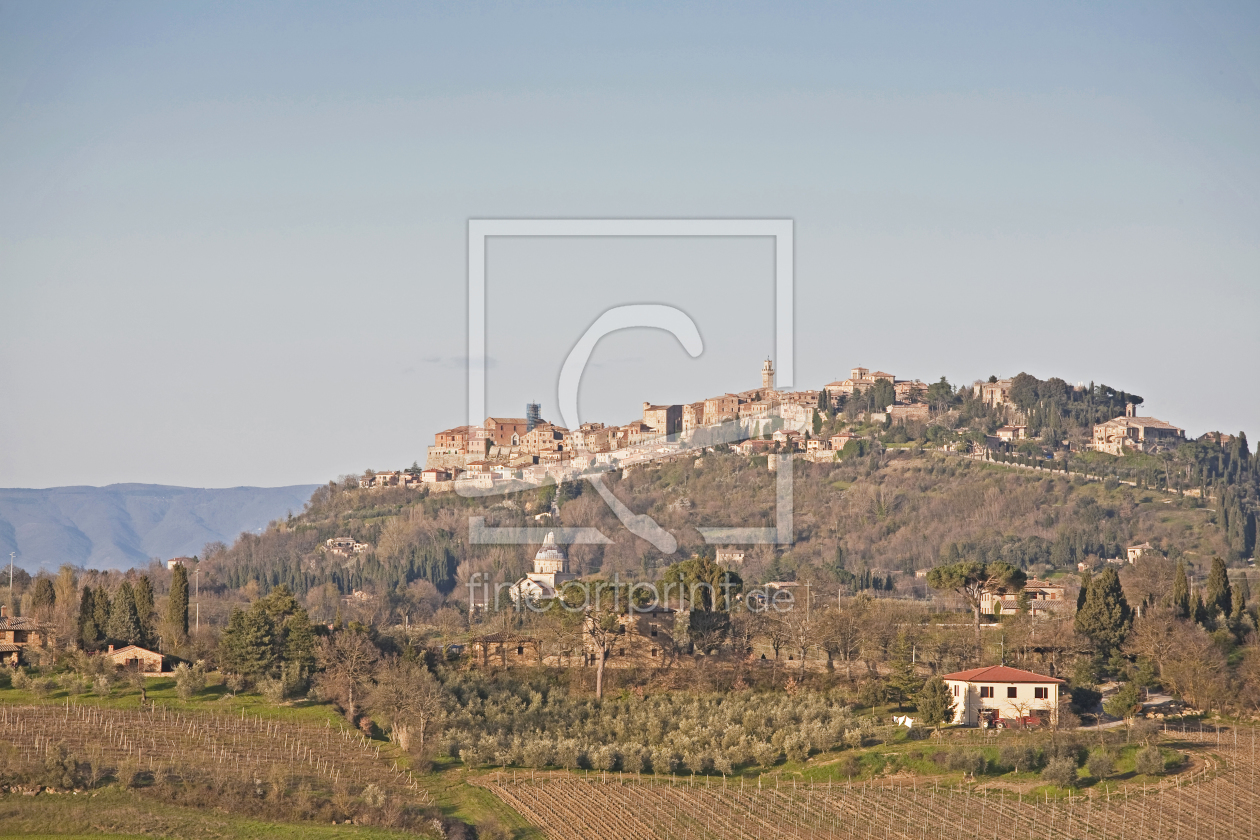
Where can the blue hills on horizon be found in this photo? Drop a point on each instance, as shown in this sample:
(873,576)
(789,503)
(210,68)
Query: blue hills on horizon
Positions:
(122,526)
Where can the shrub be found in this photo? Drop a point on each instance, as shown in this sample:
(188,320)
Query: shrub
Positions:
(538,753)
(1100,764)
(1018,758)
(21,680)
(969,761)
(189,680)
(1060,771)
(1149,761)
(101,686)
(273,689)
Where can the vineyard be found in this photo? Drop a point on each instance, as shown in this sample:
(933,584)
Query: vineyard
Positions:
(180,746)
(1217,800)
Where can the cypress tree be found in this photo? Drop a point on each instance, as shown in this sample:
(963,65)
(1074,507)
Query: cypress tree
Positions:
(1181,592)
(1219,598)
(89,633)
(1200,612)
(101,606)
(177,604)
(124,624)
(142,594)
(1086,578)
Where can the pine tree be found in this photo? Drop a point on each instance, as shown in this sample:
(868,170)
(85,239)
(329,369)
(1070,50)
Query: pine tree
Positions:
(1200,613)
(1181,592)
(246,645)
(1086,578)
(1218,598)
(1105,616)
(177,604)
(124,624)
(936,704)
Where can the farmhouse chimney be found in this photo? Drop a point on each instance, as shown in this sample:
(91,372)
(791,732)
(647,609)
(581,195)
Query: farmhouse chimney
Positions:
(111,649)
(4,611)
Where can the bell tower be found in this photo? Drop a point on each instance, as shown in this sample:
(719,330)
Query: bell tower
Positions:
(767,376)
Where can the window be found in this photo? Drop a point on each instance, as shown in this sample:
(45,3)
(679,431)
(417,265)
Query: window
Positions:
(520,650)
(654,651)
(986,691)
(1010,691)
(955,691)
(653,629)
(1041,692)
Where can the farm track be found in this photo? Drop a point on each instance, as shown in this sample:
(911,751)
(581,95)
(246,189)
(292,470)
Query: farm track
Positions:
(1218,801)
(191,745)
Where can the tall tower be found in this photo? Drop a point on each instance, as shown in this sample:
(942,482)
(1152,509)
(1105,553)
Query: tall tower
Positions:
(767,376)
(533,414)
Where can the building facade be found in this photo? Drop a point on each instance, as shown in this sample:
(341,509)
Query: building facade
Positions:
(998,696)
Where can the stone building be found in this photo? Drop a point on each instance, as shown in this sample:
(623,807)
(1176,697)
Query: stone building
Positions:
(992,394)
(1141,434)
(17,633)
(663,419)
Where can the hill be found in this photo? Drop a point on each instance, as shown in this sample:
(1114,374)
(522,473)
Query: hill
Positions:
(124,525)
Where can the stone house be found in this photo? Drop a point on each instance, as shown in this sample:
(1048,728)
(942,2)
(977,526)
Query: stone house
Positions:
(134,658)
(1008,434)
(692,416)
(16,634)
(1044,597)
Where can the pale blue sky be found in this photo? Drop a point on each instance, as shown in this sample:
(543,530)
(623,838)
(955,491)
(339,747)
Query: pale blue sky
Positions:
(232,236)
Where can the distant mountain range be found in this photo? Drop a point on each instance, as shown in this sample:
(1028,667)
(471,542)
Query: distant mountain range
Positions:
(124,525)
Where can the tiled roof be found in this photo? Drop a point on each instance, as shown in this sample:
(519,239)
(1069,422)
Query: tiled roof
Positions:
(999,673)
(20,622)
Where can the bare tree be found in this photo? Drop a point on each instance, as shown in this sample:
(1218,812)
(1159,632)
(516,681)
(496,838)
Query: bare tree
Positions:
(408,699)
(347,659)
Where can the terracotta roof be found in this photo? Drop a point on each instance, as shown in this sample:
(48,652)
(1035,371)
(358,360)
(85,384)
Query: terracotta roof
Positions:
(130,648)
(20,622)
(5,647)
(999,673)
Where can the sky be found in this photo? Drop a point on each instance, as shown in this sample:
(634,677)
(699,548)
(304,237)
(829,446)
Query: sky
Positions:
(233,236)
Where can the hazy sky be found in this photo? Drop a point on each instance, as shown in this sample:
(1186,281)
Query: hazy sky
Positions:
(233,236)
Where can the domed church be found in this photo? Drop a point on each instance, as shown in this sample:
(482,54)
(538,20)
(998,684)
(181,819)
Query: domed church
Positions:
(551,573)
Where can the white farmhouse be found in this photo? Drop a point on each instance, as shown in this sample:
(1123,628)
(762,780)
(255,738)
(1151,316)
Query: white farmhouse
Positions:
(1001,696)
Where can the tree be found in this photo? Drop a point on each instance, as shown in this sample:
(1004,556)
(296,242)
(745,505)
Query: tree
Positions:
(936,704)
(818,423)
(1181,592)
(1125,702)
(902,679)
(177,604)
(1105,617)
(347,658)
(89,633)
(1218,598)
(408,699)
(43,600)
(971,578)
(703,583)
(124,624)
(142,594)
(245,648)
(1086,578)
(940,394)
(101,606)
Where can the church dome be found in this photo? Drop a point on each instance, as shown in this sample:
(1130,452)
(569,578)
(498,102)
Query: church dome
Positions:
(551,557)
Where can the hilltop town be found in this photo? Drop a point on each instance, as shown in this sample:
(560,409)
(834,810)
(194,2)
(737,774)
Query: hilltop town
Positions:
(813,424)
